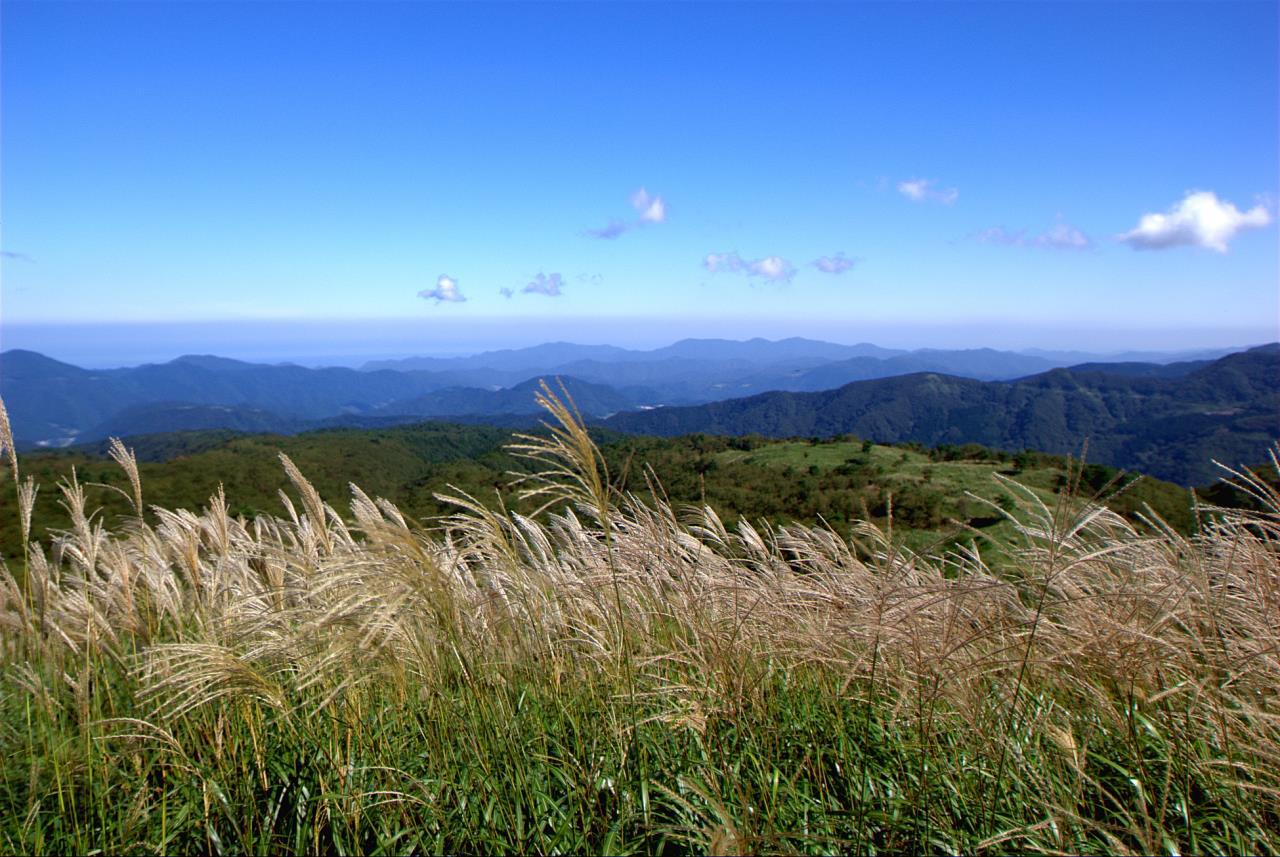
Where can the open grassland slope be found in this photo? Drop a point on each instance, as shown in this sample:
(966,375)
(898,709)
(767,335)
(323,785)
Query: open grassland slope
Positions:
(615,676)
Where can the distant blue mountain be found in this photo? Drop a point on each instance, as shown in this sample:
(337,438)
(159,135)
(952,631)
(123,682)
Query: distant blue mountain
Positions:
(55,403)
(512,406)
(534,359)
(553,355)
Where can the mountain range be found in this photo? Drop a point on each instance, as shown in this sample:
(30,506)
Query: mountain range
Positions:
(1134,412)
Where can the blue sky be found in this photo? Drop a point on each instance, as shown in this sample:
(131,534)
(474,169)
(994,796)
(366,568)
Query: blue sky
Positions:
(986,169)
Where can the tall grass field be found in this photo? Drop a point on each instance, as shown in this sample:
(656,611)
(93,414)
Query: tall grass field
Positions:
(616,675)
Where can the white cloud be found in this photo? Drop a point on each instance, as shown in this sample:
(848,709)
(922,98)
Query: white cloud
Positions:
(656,212)
(1063,236)
(914,189)
(506,293)
(651,208)
(1199,220)
(925,190)
(837,264)
(446,290)
(545,284)
(773,268)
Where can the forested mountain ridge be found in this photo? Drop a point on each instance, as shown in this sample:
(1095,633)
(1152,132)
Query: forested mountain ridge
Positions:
(1171,427)
(1218,409)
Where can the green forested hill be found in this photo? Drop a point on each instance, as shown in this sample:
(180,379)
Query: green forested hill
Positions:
(837,480)
(1170,427)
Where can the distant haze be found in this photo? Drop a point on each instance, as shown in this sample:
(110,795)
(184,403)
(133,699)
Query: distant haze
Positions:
(351,343)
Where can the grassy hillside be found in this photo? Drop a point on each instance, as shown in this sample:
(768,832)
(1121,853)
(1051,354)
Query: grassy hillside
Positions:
(614,677)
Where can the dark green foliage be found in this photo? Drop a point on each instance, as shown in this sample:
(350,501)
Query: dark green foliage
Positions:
(1169,427)
(1232,495)
(745,477)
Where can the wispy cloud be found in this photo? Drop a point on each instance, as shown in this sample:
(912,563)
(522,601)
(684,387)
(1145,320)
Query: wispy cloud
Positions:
(610,232)
(1063,236)
(551,285)
(650,208)
(774,268)
(446,290)
(545,284)
(837,264)
(717,262)
(1000,235)
(1199,220)
(18,257)
(926,190)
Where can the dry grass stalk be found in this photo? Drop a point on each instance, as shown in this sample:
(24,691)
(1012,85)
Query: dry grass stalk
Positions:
(221,609)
